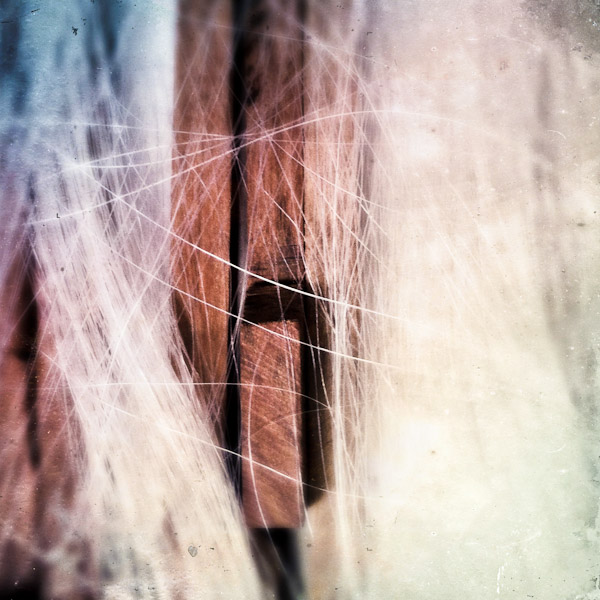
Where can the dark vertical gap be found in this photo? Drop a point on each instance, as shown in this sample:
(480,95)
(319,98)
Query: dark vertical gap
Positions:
(29,328)
(307,359)
(314,467)
(278,559)
(238,245)
(29,325)
(311,408)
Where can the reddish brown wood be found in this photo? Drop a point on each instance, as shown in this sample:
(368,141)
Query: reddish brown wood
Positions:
(272,106)
(271,426)
(271,365)
(201,192)
(38,465)
(274,65)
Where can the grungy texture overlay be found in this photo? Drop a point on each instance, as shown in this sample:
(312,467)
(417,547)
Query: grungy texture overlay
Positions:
(451,241)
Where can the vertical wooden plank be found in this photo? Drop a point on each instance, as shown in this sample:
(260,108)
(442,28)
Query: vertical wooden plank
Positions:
(271,425)
(201,191)
(274,68)
(19,448)
(38,466)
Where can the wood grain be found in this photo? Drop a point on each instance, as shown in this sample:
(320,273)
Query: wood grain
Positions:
(271,375)
(271,425)
(201,192)
(265,147)
(274,132)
